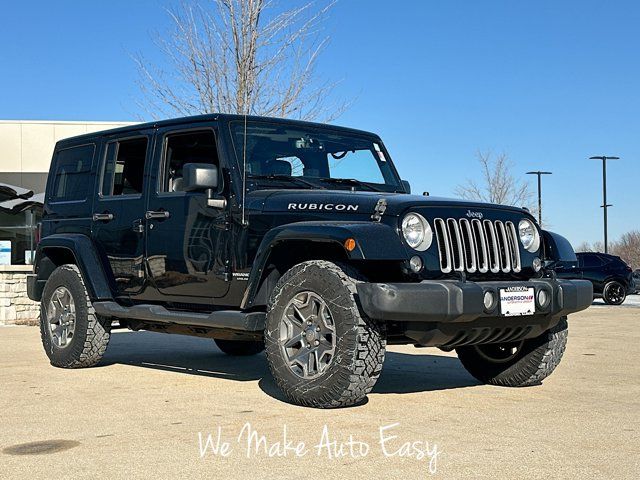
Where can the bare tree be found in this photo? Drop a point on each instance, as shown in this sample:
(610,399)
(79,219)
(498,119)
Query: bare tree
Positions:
(590,247)
(583,247)
(628,248)
(240,56)
(496,183)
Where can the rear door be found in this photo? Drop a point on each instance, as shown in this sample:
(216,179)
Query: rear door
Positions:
(187,241)
(118,211)
(593,270)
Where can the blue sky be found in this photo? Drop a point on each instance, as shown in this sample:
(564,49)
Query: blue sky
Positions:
(549,83)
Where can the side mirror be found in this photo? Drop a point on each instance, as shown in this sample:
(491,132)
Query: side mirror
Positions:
(199,177)
(406,185)
(203,177)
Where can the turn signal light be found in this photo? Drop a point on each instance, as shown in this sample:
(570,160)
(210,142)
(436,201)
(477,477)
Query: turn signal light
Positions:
(350,244)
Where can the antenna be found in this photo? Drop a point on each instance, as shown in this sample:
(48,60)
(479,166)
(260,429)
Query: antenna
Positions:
(244,162)
(244,170)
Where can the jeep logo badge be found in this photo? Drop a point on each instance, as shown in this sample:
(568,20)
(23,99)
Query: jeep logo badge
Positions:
(477,215)
(327,207)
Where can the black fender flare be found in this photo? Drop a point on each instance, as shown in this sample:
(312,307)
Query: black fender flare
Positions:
(85,256)
(557,248)
(374,241)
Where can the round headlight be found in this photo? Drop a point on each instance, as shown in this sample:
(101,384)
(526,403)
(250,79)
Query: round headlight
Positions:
(529,235)
(417,231)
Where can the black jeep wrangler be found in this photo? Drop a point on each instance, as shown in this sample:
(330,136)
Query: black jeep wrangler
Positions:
(296,238)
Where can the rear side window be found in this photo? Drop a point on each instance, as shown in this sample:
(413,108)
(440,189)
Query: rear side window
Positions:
(71,177)
(591,261)
(123,172)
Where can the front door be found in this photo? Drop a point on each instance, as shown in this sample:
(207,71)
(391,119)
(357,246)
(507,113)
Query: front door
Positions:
(187,241)
(119,207)
(593,269)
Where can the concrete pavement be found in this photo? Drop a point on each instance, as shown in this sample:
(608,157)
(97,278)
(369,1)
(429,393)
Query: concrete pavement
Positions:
(139,414)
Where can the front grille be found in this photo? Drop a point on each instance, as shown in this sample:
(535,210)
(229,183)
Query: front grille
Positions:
(477,246)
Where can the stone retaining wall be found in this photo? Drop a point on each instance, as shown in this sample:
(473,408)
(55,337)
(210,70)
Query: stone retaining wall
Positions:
(15,306)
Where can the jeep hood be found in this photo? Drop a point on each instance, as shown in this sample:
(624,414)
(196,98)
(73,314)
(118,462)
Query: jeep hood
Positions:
(345,201)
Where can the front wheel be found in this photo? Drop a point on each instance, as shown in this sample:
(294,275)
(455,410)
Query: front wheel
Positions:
(322,351)
(517,364)
(614,293)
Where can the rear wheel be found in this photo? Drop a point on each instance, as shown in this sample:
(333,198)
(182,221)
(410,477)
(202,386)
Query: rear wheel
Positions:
(517,364)
(240,348)
(322,351)
(614,293)
(72,334)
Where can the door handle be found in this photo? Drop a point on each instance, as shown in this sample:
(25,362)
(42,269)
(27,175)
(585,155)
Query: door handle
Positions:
(156,214)
(102,217)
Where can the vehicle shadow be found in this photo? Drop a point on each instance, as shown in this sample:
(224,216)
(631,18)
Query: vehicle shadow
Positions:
(181,354)
(408,373)
(402,373)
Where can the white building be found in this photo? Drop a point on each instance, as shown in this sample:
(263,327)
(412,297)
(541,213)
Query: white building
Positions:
(26,148)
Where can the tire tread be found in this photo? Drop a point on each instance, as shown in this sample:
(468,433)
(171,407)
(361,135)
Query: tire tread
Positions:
(531,369)
(98,329)
(370,346)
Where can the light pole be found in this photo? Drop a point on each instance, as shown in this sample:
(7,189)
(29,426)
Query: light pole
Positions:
(539,174)
(605,205)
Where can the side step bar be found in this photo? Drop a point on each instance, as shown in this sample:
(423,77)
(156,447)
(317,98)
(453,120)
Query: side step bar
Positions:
(229,319)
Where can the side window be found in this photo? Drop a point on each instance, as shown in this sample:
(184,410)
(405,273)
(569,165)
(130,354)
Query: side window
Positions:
(124,167)
(71,177)
(591,261)
(183,148)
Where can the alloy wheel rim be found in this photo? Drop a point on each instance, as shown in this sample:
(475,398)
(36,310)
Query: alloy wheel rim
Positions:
(61,317)
(499,352)
(615,293)
(307,335)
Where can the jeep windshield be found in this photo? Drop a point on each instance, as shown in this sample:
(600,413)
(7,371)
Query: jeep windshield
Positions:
(289,156)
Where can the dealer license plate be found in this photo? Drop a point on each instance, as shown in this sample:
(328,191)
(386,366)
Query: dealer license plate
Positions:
(516,301)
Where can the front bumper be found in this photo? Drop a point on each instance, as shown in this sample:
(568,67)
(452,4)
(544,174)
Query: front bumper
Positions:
(452,301)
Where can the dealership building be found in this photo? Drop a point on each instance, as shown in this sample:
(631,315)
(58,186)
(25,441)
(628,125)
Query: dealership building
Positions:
(26,148)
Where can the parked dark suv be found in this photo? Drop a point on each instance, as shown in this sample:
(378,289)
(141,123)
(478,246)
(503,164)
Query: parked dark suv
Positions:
(611,277)
(296,238)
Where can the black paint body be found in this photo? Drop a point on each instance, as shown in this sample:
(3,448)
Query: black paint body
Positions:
(599,269)
(204,259)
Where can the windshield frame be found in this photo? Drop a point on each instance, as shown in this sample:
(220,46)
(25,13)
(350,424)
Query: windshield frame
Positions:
(256,183)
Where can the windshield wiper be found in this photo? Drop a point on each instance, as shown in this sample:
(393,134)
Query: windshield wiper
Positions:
(352,181)
(286,178)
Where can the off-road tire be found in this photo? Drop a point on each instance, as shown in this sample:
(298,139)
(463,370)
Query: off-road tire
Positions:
(360,342)
(606,293)
(240,348)
(534,362)
(92,332)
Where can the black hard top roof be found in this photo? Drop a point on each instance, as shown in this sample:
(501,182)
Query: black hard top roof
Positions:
(224,117)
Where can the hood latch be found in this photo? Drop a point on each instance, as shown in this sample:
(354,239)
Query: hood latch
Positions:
(379,210)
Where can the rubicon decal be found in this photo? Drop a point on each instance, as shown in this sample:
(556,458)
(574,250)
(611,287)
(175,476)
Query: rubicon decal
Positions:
(327,207)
